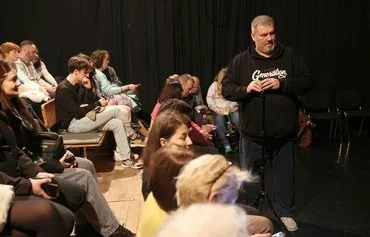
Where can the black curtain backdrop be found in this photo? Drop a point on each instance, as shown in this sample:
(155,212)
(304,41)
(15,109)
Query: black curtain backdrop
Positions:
(150,40)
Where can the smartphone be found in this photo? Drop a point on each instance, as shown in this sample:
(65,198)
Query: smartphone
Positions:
(279,234)
(51,189)
(70,159)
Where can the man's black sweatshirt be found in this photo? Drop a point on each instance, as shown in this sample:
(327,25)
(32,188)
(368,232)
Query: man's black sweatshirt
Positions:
(281,106)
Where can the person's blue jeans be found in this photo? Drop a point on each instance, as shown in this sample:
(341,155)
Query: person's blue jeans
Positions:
(220,122)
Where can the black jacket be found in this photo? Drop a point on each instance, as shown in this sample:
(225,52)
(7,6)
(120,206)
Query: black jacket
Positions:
(15,166)
(280,106)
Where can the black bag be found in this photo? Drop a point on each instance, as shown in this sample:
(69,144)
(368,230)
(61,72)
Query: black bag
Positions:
(47,145)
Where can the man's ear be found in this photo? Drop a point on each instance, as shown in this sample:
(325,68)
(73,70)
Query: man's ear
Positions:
(163,142)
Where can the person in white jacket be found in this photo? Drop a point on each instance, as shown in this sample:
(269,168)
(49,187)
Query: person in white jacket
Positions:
(42,71)
(221,108)
(30,90)
(27,72)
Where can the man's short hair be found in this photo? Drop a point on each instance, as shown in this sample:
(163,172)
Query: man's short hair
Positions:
(27,43)
(78,63)
(261,20)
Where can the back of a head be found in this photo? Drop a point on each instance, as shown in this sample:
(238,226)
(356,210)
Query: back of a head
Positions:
(206,220)
(261,20)
(176,105)
(164,167)
(206,175)
(171,90)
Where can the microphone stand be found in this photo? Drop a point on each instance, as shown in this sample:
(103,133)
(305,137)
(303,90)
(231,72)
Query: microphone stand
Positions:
(263,195)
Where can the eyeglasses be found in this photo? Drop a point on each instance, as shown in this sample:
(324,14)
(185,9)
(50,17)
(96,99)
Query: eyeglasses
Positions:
(229,164)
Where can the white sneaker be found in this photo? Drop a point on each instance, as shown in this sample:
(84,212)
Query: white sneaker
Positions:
(289,223)
(117,157)
(132,164)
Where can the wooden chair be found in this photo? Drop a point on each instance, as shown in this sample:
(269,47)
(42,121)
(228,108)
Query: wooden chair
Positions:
(71,140)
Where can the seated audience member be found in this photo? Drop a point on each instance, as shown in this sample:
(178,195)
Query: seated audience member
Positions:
(212,178)
(168,128)
(30,93)
(31,90)
(172,90)
(206,219)
(100,61)
(93,93)
(24,126)
(197,103)
(42,71)
(112,77)
(165,165)
(195,134)
(28,215)
(27,71)
(71,112)
(220,108)
(10,53)
(187,83)
(27,177)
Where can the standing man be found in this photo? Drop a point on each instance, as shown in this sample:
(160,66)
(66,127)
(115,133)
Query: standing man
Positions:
(272,73)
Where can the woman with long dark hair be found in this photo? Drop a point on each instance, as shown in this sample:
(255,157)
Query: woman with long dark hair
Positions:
(103,220)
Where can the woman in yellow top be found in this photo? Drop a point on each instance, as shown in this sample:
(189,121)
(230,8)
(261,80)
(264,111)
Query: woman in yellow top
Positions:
(165,154)
(165,166)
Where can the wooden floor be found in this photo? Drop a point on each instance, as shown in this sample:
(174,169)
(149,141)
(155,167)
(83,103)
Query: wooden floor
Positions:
(121,188)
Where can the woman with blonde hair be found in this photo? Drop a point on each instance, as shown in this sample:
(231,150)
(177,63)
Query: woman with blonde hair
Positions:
(220,108)
(212,178)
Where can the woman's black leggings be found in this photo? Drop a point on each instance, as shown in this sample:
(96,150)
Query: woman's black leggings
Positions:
(33,216)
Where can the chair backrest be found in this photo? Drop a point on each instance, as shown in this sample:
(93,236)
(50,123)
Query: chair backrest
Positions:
(49,114)
(317,101)
(348,100)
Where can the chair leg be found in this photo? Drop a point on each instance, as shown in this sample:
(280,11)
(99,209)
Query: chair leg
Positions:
(340,130)
(331,129)
(362,125)
(335,128)
(347,128)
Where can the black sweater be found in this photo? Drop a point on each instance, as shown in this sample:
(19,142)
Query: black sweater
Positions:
(281,107)
(68,101)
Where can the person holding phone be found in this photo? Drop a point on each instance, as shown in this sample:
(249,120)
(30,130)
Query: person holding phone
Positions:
(84,177)
(30,212)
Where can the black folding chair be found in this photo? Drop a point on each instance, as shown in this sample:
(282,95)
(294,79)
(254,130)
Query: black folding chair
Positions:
(317,105)
(350,103)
